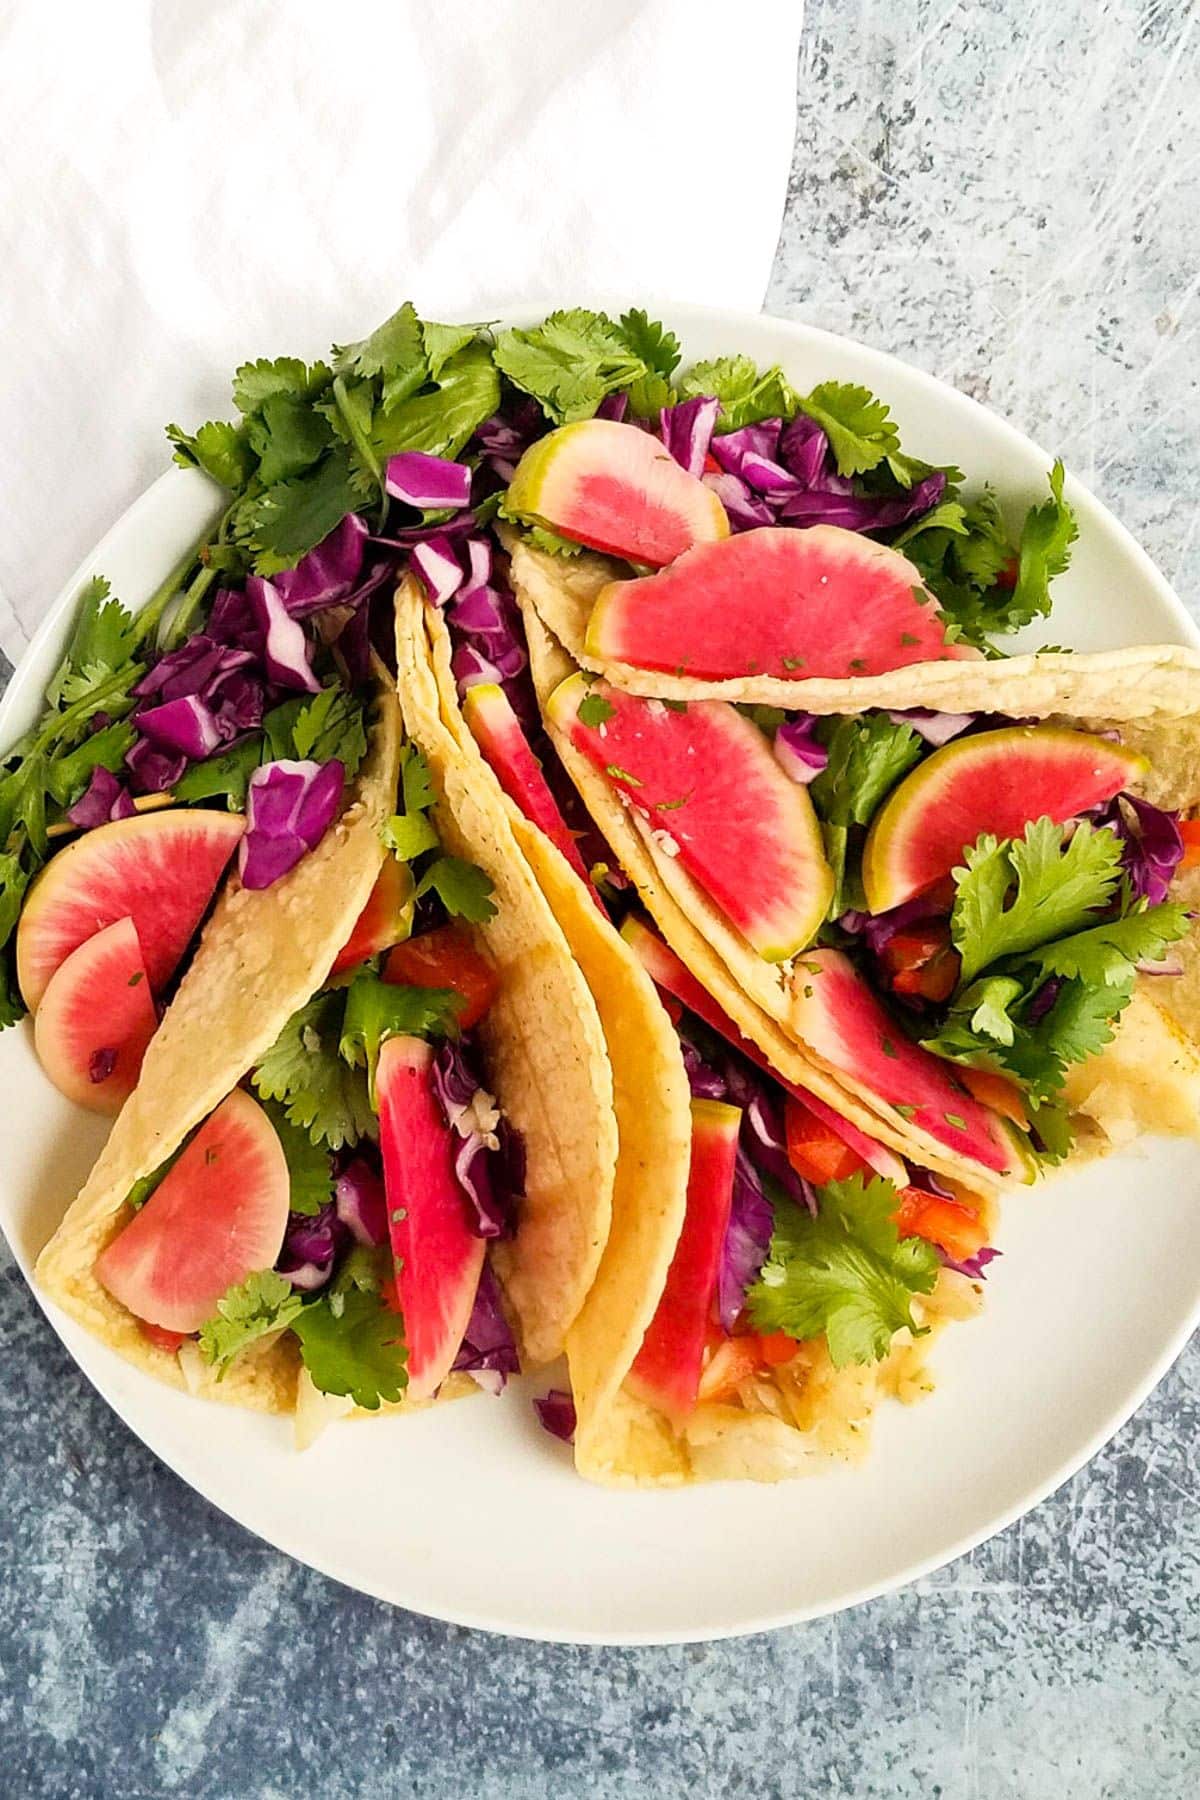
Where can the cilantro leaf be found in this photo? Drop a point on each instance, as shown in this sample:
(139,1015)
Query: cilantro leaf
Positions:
(847,1274)
(1103,954)
(257,382)
(1058,884)
(318,1090)
(409,835)
(859,427)
(263,1303)
(103,640)
(868,754)
(416,780)
(569,362)
(1046,538)
(442,342)
(440,420)
(377,1010)
(228,774)
(395,350)
(358,1350)
(464,890)
(219,448)
(290,518)
(650,340)
(309,1171)
(67,775)
(595,710)
(331,724)
(288,436)
(746,396)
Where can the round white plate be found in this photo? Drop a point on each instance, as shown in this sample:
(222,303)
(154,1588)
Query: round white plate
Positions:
(473,1513)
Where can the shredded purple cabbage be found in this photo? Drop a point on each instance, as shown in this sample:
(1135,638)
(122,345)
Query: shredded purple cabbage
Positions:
(187,725)
(878,929)
(488,1352)
(103,800)
(286,651)
(360,1202)
(153,770)
(975,1265)
(687,430)
(328,573)
(430,483)
(706,1083)
(797,749)
(1151,843)
(556,1410)
(311,1246)
(289,808)
(747,1240)
(936,728)
(438,568)
(744,509)
(613,406)
(478,1162)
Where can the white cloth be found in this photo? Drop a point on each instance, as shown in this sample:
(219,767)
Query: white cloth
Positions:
(185,185)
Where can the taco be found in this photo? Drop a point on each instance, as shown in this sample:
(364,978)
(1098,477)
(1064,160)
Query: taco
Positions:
(383,1083)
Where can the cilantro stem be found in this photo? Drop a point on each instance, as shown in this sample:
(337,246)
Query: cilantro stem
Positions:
(147,620)
(180,625)
(362,442)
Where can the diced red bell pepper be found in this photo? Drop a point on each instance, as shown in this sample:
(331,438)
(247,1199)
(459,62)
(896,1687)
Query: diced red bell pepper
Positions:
(814,1151)
(923,961)
(953,1227)
(446,958)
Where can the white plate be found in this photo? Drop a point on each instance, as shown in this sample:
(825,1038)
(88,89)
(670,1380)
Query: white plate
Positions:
(473,1514)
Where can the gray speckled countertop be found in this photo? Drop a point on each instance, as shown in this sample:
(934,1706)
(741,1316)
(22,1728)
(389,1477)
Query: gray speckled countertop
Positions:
(1007,195)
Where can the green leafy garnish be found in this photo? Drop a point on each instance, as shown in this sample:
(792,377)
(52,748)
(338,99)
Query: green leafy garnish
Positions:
(659,350)
(309,1170)
(746,395)
(409,835)
(569,362)
(1050,530)
(357,1350)
(595,710)
(463,889)
(868,754)
(376,1010)
(1015,894)
(859,427)
(847,1274)
(261,1304)
(319,1092)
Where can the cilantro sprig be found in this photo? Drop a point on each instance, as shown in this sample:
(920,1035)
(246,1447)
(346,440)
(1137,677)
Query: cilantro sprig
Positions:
(265,1302)
(1050,935)
(868,755)
(463,889)
(846,1275)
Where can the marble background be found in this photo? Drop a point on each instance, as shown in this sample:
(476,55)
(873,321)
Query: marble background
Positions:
(1007,195)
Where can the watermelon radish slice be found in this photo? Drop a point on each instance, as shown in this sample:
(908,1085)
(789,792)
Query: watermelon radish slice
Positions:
(774,601)
(385,920)
(670,975)
(158,869)
(837,1015)
(998,782)
(497,730)
(615,488)
(712,793)
(437,1255)
(96,1017)
(217,1216)
(666,1370)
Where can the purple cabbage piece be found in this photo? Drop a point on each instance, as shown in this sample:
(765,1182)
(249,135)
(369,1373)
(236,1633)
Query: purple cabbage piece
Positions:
(311,1245)
(462,524)
(438,569)
(289,808)
(360,1202)
(187,726)
(745,510)
(762,1131)
(470,666)
(1151,844)
(485,617)
(687,430)
(733,447)
(103,800)
(488,1353)
(153,770)
(429,483)
(476,1161)
(496,437)
(326,574)
(803,449)
(1043,1001)
(231,621)
(975,1265)
(101,1064)
(705,1082)
(238,701)
(878,929)
(286,651)
(556,1410)
(191,669)
(747,1240)
(864,512)
(937,728)
(797,749)
(479,565)
(613,406)
(353,643)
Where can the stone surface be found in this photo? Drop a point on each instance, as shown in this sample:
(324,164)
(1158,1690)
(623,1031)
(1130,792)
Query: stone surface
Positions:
(1007,196)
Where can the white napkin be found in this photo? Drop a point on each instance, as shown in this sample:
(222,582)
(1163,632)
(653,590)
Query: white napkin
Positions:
(185,186)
